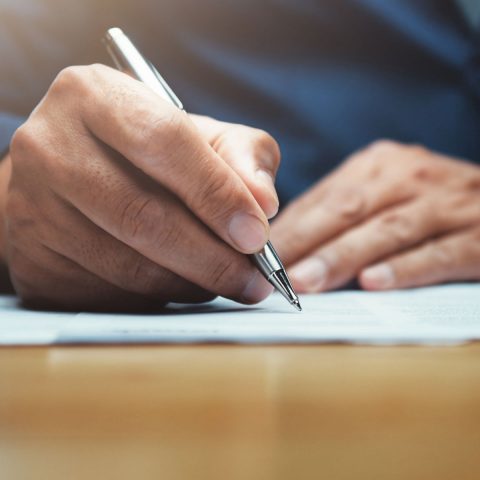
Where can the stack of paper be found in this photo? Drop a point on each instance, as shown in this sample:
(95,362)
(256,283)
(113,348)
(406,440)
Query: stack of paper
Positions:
(448,314)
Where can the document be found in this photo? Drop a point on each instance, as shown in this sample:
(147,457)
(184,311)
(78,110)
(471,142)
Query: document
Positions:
(441,315)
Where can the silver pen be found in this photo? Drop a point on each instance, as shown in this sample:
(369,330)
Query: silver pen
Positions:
(128,59)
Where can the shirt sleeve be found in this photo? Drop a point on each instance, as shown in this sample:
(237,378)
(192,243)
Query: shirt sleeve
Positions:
(37,39)
(8,124)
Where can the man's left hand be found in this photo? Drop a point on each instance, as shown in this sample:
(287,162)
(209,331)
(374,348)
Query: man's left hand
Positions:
(392,216)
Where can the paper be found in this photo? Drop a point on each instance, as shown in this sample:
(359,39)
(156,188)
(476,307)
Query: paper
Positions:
(23,327)
(447,314)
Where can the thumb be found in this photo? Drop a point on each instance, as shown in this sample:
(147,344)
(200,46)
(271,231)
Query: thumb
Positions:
(252,153)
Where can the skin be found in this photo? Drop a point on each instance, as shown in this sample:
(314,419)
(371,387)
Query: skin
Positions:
(392,216)
(114,200)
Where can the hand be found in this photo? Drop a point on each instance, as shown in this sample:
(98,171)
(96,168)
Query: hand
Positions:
(392,216)
(117,200)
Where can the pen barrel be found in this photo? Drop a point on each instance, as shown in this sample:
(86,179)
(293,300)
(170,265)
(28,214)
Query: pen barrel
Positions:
(267,260)
(129,60)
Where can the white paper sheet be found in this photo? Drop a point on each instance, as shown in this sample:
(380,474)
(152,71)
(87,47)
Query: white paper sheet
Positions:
(447,314)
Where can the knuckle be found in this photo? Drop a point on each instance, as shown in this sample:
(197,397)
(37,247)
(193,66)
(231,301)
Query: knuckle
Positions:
(227,272)
(382,147)
(337,256)
(134,217)
(160,136)
(349,203)
(145,224)
(221,274)
(24,142)
(423,173)
(268,144)
(82,81)
(271,150)
(96,70)
(219,198)
(377,152)
(473,183)
(19,219)
(71,78)
(131,212)
(417,150)
(397,227)
(146,277)
(442,255)
(32,153)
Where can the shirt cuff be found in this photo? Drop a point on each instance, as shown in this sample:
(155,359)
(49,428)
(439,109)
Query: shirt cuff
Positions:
(8,124)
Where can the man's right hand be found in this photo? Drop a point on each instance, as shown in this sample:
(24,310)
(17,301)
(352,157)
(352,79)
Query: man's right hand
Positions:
(118,200)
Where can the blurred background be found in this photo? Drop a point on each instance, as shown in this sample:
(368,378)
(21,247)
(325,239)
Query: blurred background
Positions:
(324,77)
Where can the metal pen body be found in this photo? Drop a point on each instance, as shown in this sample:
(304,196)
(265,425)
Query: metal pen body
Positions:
(268,262)
(128,59)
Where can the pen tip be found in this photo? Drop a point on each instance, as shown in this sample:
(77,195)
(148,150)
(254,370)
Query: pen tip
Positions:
(297,305)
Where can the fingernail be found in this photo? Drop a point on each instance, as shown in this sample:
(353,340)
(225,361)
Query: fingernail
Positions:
(378,277)
(271,209)
(257,289)
(309,275)
(248,233)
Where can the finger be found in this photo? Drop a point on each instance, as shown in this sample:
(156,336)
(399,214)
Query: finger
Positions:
(132,208)
(163,142)
(252,153)
(300,229)
(361,187)
(109,259)
(455,257)
(68,286)
(387,233)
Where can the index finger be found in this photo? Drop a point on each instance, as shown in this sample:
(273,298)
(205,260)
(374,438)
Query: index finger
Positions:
(162,141)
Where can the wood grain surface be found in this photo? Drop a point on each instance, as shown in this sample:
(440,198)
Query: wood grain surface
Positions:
(231,412)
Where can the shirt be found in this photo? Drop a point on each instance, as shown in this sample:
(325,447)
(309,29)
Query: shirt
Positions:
(324,77)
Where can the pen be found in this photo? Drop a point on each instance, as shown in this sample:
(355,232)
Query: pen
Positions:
(128,59)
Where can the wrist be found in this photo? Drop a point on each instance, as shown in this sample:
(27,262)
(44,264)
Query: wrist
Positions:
(5,171)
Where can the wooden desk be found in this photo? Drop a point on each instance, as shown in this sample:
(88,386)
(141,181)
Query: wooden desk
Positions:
(221,412)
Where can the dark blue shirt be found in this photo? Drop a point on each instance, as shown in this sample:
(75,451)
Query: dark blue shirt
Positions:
(325,77)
